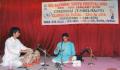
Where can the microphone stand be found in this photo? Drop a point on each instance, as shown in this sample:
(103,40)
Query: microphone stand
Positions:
(45,64)
(91,57)
(61,64)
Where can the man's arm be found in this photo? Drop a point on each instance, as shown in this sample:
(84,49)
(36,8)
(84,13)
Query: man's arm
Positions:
(73,50)
(25,49)
(56,51)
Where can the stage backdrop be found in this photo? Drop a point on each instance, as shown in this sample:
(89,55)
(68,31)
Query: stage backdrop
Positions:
(26,14)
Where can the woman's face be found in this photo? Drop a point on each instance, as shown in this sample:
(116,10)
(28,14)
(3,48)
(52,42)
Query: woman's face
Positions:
(65,39)
(17,34)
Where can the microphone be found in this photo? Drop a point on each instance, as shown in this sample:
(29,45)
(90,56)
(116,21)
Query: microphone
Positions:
(43,50)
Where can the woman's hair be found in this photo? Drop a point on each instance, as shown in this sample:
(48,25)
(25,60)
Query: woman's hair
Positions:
(13,30)
(65,34)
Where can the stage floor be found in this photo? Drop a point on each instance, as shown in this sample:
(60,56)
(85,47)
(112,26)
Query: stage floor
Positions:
(101,63)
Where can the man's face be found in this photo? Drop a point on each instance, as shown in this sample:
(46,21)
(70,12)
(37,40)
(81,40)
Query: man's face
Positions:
(65,39)
(17,34)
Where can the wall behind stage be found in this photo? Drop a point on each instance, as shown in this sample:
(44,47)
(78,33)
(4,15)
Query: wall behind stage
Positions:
(26,14)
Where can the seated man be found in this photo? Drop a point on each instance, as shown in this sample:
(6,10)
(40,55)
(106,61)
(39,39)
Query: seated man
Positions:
(64,51)
(13,49)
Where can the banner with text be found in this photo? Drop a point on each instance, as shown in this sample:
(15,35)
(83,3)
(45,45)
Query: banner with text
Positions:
(80,12)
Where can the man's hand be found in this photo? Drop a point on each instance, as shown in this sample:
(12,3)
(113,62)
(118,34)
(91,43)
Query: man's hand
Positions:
(70,59)
(27,50)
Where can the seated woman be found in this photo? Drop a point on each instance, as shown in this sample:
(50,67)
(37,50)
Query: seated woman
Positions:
(64,51)
(13,49)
